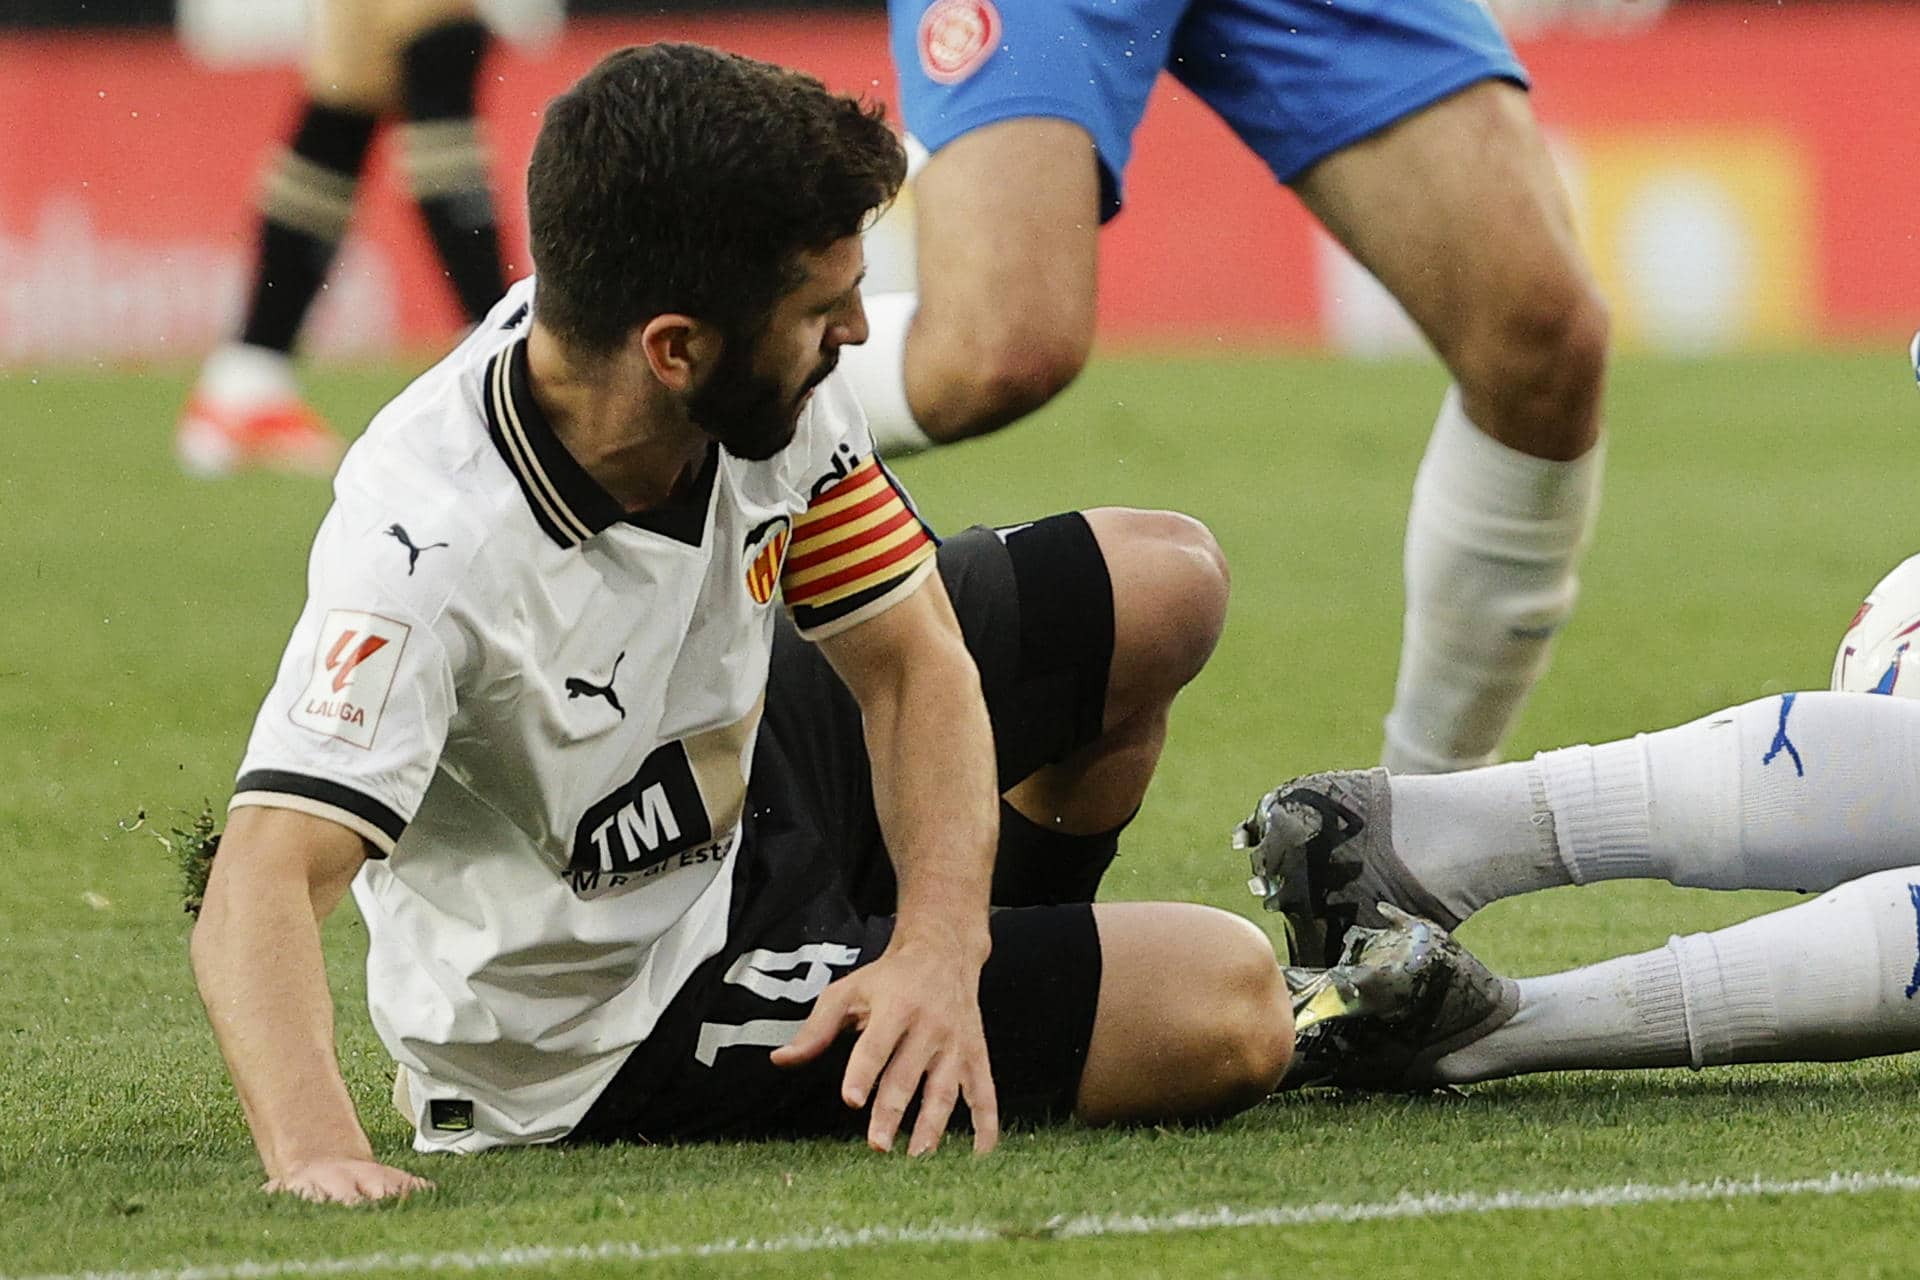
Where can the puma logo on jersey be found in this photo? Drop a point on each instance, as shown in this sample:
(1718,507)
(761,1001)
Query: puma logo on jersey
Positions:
(413,552)
(578,687)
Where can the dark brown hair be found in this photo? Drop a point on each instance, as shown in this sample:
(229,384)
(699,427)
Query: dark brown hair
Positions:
(677,178)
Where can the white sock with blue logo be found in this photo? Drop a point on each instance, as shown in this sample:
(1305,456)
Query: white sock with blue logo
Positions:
(1828,980)
(1799,791)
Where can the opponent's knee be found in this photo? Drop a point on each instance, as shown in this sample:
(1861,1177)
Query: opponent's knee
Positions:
(983,377)
(1532,365)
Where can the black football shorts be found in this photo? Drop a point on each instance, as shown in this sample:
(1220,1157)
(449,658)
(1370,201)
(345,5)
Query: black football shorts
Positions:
(813,888)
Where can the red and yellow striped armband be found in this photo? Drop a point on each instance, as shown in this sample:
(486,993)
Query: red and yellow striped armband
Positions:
(857,548)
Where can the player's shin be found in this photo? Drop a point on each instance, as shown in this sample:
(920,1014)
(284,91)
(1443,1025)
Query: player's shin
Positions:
(306,203)
(1493,537)
(446,159)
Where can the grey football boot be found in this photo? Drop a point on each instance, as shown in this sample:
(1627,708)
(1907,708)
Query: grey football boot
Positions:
(1404,996)
(1321,850)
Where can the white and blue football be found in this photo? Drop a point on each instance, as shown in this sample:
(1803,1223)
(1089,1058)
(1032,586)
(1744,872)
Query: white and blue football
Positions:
(1881,651)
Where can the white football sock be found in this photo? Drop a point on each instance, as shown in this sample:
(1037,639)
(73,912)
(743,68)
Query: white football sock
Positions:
(1832,979)
(1628,1012)
(241,376)
(877,372)
(1800,791)
(1493,536)
(1473,837)
(1797,791)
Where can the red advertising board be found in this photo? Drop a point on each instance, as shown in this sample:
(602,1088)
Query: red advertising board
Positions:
(1742,175)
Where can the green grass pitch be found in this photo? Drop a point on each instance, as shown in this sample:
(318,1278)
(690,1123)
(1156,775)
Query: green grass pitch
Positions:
(1750,502)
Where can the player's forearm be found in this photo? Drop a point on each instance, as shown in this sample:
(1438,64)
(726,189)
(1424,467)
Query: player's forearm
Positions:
(257,960)
(935,794)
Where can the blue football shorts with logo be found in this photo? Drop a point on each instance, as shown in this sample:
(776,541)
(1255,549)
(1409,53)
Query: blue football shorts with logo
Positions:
(814,889)
(1296,79)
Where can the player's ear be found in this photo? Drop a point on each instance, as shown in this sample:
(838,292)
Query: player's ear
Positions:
(677,348)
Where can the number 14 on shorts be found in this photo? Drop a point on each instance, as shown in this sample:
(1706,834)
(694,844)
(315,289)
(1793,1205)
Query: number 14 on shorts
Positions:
(797,977)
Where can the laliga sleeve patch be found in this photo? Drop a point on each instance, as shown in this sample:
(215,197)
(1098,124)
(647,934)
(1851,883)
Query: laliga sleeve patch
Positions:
(956,37)
(354,665)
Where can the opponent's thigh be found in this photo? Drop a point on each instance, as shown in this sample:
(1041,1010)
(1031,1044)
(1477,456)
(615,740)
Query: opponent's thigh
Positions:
(1457,199)
(1007,226)
(1194,1017)
(1458,211)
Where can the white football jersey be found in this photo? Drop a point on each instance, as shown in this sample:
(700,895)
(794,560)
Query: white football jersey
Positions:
(542,711)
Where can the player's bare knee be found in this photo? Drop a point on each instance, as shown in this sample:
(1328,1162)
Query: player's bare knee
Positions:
(1001,378)
(1264,1027)
(1250,1039)
(1171,586)
(1202,584)
(1215,1044)
(1533,370)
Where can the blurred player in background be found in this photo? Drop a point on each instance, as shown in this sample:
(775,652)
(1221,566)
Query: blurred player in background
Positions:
(1405,128)
(415,61)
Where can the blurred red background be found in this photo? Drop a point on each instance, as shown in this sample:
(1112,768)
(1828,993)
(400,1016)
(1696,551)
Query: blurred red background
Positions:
(1742,174)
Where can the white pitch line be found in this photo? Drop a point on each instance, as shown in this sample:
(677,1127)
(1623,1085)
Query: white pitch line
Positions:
(1081,1227)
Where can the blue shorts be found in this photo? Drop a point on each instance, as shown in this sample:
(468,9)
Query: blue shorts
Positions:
(1296,79)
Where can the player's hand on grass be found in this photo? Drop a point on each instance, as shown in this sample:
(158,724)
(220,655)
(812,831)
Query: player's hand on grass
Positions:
(918,1012)
(345,1180)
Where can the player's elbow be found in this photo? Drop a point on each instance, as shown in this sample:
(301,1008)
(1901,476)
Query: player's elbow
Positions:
(221,916)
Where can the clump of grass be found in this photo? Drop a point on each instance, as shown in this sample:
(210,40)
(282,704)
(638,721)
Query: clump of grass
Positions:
(192,845)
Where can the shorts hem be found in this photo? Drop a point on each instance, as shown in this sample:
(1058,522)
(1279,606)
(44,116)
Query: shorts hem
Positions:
(955,125)
(1404,101)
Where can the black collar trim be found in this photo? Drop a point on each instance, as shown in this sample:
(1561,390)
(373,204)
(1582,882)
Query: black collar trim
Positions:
(569,505)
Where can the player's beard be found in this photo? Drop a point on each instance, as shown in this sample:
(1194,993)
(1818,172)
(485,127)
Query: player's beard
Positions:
(749,413)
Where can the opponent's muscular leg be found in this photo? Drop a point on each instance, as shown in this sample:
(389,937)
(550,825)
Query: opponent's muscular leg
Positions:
(1214,1042)
(1457,210)
(1007,224)
(1459,213)
(1170,587)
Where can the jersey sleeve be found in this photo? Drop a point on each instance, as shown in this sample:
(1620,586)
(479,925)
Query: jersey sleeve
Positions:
(858,549)
(359,711)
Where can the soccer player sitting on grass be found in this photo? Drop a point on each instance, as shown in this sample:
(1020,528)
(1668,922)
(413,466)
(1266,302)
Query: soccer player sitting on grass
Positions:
(671,764)
(1810,792)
